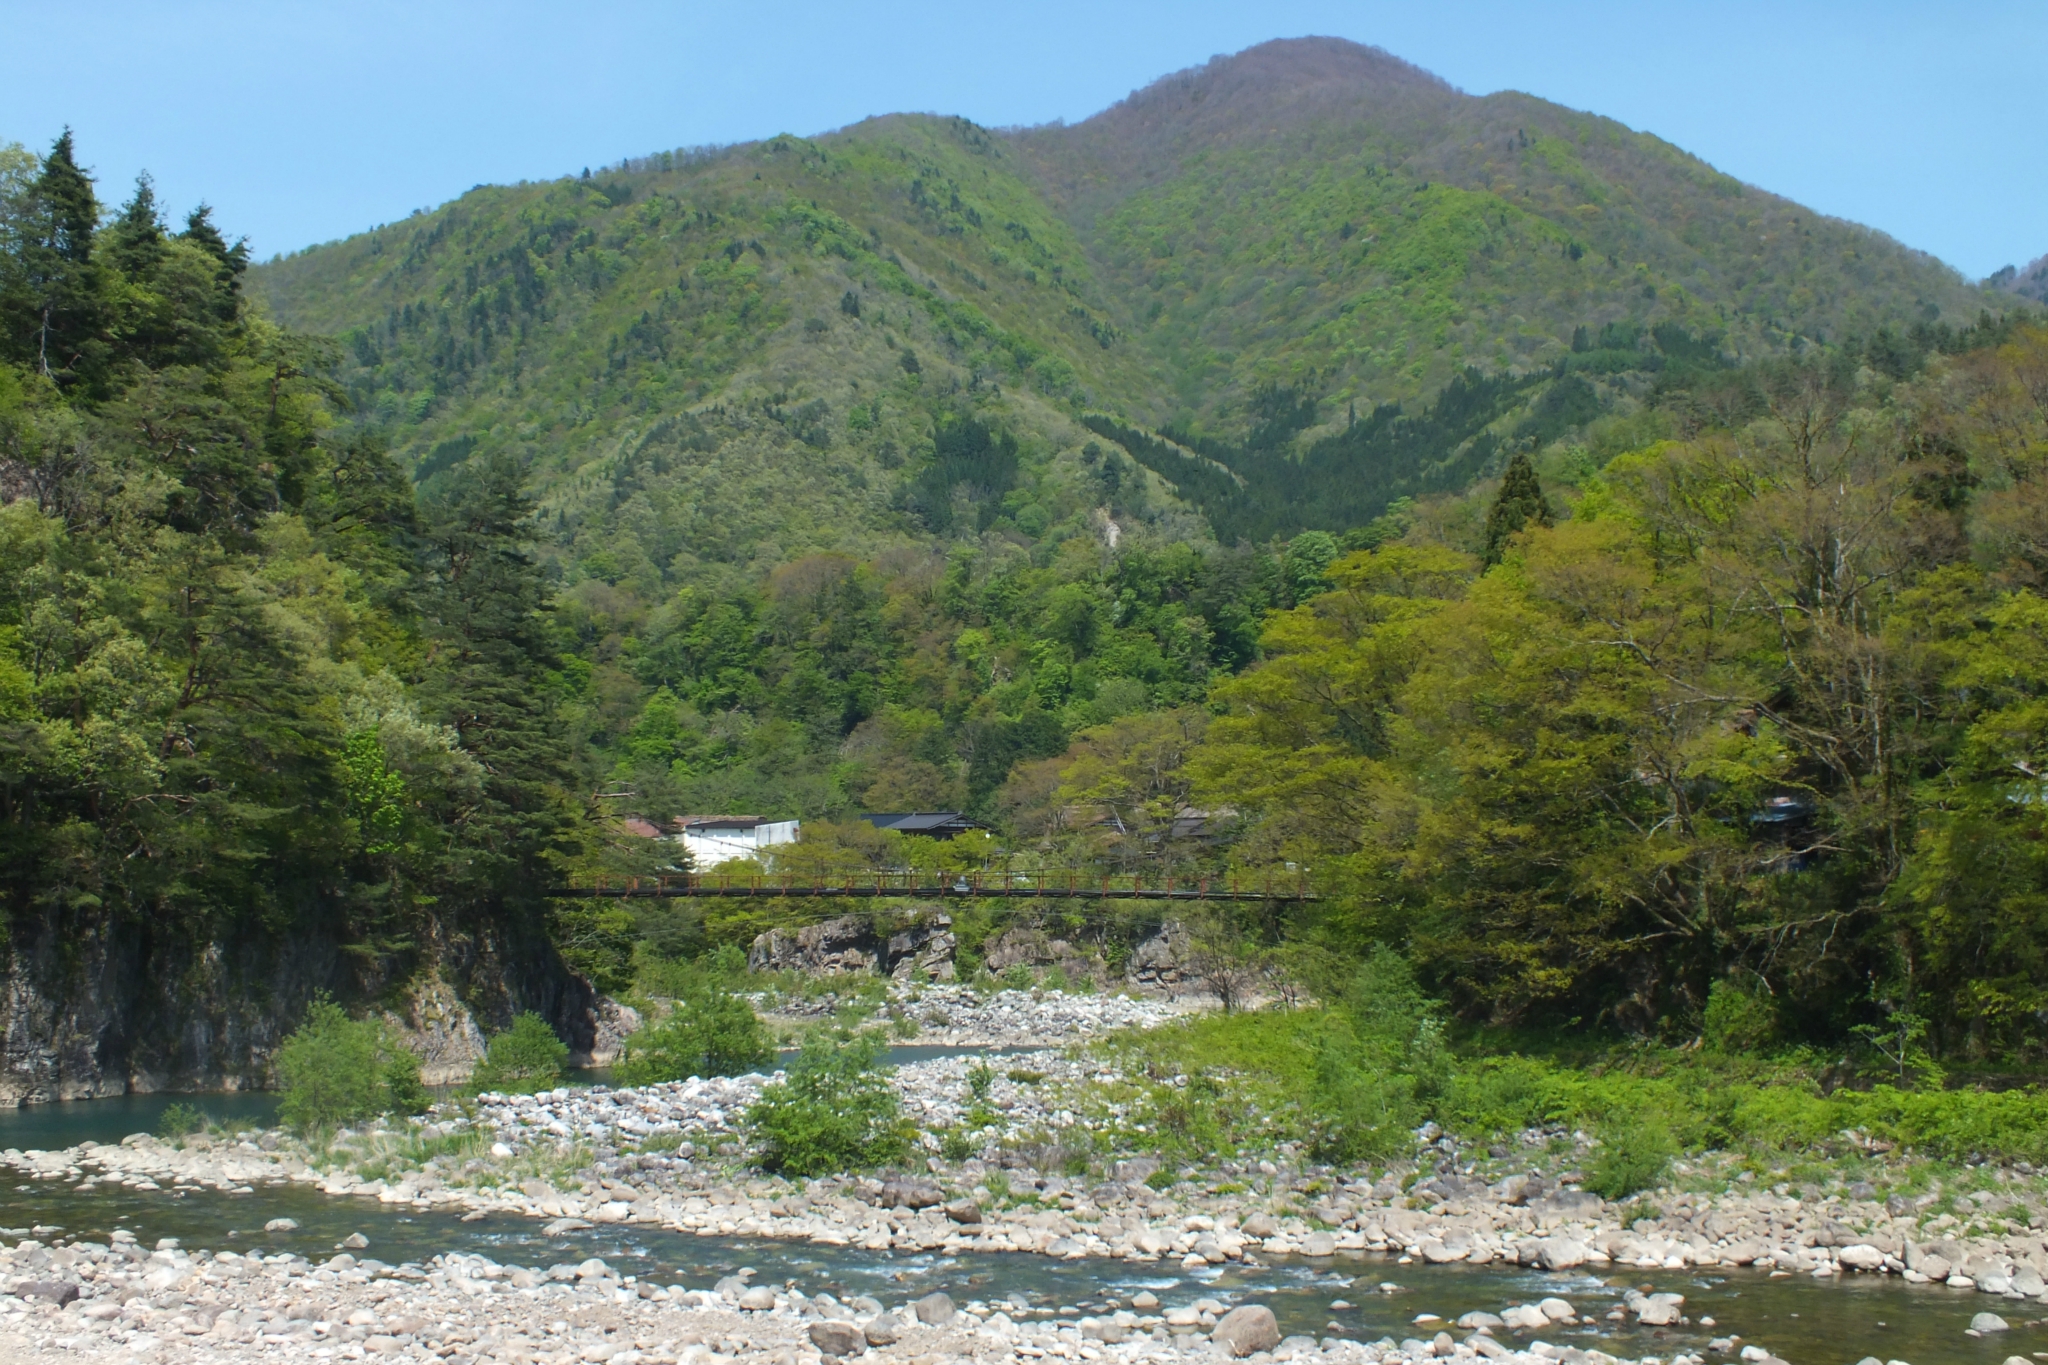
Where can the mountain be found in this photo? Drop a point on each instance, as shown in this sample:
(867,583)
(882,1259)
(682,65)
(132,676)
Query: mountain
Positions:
(2030,282)
(713,362)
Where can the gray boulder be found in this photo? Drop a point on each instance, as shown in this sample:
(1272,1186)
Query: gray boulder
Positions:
(882,1329)
(58,1292)
(837,1338)
(1247,1329)
(935,1310)
(1161,960)
(964,1211)
(911,1194)
(1989,1322)
(850,944)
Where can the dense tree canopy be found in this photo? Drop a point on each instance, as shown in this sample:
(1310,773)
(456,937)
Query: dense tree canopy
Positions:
(245,687)
(1767,706)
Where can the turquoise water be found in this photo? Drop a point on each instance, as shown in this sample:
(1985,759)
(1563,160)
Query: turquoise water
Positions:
(1806,1321)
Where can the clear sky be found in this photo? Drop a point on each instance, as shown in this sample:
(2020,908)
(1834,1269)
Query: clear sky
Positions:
(302,122)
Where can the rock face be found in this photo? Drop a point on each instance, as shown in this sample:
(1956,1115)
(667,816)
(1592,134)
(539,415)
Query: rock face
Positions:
(137,1008)
(1247,1329)
(1161,961)
(850,944)
(1035,951)
(441,1031)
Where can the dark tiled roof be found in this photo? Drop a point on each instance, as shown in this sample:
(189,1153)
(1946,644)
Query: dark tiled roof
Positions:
(923,821)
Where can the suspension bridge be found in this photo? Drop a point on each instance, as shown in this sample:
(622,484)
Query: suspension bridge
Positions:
(1070,884)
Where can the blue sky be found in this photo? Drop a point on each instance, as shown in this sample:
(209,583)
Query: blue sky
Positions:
(304,122)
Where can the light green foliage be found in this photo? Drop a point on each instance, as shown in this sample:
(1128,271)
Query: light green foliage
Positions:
(525,1058)
(180,1120)
(1634,1152)
(334,1070)
(1580,789)
(710,1031)
(834,1111)
(1257,1079)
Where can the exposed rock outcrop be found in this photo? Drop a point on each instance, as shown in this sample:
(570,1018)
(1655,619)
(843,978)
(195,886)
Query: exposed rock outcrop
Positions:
(1035,950)
(1161,960)
(851,943)
(134,1005)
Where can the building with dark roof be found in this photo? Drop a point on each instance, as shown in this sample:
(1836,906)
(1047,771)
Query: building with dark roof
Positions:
(933,824)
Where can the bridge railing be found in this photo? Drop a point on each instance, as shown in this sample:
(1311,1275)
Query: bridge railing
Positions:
(1061,884)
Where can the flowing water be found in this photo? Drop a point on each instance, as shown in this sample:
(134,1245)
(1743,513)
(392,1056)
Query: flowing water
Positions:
(1806,1321)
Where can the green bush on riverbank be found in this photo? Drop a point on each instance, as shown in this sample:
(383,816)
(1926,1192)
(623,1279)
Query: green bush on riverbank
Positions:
(1351,1082)
(834,1111)
(522,1060)
(335,1070)
(710,1032)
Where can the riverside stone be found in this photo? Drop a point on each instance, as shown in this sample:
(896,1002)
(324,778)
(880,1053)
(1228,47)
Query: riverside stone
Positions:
(837,1338)
(1247,1328)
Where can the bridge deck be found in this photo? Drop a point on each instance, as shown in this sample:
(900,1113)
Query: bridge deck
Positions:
(966,886)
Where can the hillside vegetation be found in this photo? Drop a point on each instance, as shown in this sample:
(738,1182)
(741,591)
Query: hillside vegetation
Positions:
(1610,582)
(674,344)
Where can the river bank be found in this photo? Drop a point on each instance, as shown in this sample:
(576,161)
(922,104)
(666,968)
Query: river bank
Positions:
(672,1157)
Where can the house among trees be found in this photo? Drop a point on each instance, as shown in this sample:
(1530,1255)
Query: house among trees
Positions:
(714,839)
(933,824)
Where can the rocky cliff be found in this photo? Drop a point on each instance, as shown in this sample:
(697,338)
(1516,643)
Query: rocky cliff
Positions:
(924,941)
(133,1006)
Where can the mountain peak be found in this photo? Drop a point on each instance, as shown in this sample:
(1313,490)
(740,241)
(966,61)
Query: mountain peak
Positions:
(1273,90)
(1286,69)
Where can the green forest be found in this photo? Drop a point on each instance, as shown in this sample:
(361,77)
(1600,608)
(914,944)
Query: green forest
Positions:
(1609,617)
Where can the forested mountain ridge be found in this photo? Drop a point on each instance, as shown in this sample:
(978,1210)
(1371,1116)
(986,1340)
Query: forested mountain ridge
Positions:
(1318,213)
(2028,282)
(1308,215)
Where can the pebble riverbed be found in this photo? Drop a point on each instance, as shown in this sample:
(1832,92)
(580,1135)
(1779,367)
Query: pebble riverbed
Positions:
(656,1160)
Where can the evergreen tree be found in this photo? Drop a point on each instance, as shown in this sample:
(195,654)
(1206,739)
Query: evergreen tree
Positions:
(229,261)
(51,295)
(135,240)
(1520,502)
(489,681)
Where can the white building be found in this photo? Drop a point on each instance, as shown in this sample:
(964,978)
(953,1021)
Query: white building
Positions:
(715,839)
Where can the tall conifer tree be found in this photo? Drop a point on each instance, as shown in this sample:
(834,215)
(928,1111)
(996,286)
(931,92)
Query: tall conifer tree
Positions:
(1520,502)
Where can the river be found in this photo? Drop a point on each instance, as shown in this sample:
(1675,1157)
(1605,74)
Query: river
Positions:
(1806,1321)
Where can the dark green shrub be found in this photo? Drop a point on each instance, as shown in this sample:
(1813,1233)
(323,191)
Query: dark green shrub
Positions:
(525,1058)
(406,1093)
(1738,1020)
(179,1120)
(834,1111)
(711,1032)
(335,1070)
(1634,1152)
(1388,1009)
